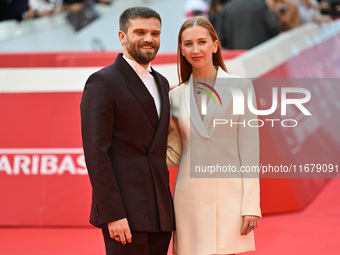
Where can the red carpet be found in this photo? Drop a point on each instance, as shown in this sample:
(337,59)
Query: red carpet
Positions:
(312,231)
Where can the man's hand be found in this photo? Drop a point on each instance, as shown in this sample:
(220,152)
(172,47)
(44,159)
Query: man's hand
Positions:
(120,231)
(250,222)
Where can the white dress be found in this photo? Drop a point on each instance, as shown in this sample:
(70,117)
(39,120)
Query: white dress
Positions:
(209,208)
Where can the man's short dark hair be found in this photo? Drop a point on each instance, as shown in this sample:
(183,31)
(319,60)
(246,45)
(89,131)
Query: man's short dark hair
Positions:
(139,12)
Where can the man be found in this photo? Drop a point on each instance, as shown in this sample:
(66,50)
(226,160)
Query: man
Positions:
(287,12)
(309,11)
(243,24)
(125,119)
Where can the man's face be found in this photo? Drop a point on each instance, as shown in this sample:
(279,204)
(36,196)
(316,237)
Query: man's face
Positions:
(142,40)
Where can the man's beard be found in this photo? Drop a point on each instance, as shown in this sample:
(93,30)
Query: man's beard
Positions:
(142,57)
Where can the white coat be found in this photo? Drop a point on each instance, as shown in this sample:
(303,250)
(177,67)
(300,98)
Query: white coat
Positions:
(209,207)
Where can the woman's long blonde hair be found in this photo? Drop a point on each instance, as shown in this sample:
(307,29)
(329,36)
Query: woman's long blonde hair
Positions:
(184,68)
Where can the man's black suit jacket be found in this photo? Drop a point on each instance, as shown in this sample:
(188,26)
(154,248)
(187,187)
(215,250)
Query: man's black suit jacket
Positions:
(243,24)
(125,145)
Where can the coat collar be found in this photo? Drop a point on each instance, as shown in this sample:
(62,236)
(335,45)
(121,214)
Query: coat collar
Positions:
(165,107)
(137,67)
(138,89)
(202,125)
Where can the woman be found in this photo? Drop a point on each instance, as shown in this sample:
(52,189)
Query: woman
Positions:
(217,213)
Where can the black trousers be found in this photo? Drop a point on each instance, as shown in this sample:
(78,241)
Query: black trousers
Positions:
(143,243)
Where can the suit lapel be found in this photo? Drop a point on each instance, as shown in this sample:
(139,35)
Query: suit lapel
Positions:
(202,126)
(192,109)
(165,109)
(220,87)
(212,107)
(138,89)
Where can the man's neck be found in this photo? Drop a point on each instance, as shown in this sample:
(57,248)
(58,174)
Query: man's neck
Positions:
(128,56)
(136,66)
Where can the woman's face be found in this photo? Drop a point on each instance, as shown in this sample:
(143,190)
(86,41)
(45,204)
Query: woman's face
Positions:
(198,47)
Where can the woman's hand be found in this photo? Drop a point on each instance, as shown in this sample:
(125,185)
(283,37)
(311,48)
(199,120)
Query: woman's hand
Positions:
(250,222)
